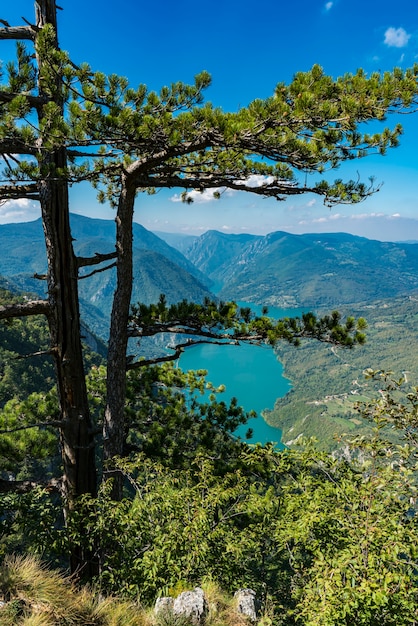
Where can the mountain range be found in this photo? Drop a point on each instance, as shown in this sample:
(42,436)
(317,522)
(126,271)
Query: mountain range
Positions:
(285,270)
(158,267)
(278,269)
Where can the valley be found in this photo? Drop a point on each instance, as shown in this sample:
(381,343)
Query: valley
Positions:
(360,277)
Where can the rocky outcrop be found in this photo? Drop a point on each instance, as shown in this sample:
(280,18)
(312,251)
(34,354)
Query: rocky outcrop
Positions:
(194,605)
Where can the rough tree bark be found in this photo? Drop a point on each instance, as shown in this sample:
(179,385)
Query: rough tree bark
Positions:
(114,426)
(76,432)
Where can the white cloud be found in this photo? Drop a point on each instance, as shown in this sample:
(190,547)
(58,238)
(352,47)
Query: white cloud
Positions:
(300,207)
(21,210)
(365,216)
(396,37)
(191,229)
(256,180)
(207,195)
(328,6)
(335,217)
(198,196)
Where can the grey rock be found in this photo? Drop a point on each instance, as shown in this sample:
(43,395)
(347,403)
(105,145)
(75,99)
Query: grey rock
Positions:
(246,603)
(192,604)
(164,605)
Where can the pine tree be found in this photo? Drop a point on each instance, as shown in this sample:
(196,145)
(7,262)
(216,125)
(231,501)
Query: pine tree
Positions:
(68,124)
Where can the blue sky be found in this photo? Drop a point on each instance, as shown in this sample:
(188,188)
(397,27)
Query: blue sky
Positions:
(248,48)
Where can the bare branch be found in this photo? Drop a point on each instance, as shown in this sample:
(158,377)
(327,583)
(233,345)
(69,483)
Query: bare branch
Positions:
(16,191)
(90,155)
(98,271)
(28,23)
(188,327)
(96,259)
(18,32)
(25,309)
(32,354)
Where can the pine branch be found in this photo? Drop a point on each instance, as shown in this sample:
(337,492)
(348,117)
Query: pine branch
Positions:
(15,191)
(177,351)
(53,424)
(35,102)
(189,327)
(226,323)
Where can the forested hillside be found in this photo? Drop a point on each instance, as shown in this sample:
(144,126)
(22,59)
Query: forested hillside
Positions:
(328,383)
(159,268)
(25,361)
(287,270)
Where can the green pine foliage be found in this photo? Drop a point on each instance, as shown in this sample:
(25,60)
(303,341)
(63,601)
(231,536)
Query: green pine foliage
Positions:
(168,421)
(29,413)
(25,363)
(226,321)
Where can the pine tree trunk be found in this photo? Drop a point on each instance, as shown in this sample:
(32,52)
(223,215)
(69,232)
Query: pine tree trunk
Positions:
(114,424)
(76,433)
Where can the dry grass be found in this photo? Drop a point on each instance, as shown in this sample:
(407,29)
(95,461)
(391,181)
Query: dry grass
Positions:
(37,596)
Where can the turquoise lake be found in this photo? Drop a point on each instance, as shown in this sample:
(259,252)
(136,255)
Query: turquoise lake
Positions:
(250,373)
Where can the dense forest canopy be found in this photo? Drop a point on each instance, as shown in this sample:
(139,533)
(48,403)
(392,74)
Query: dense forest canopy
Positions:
(128,426)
